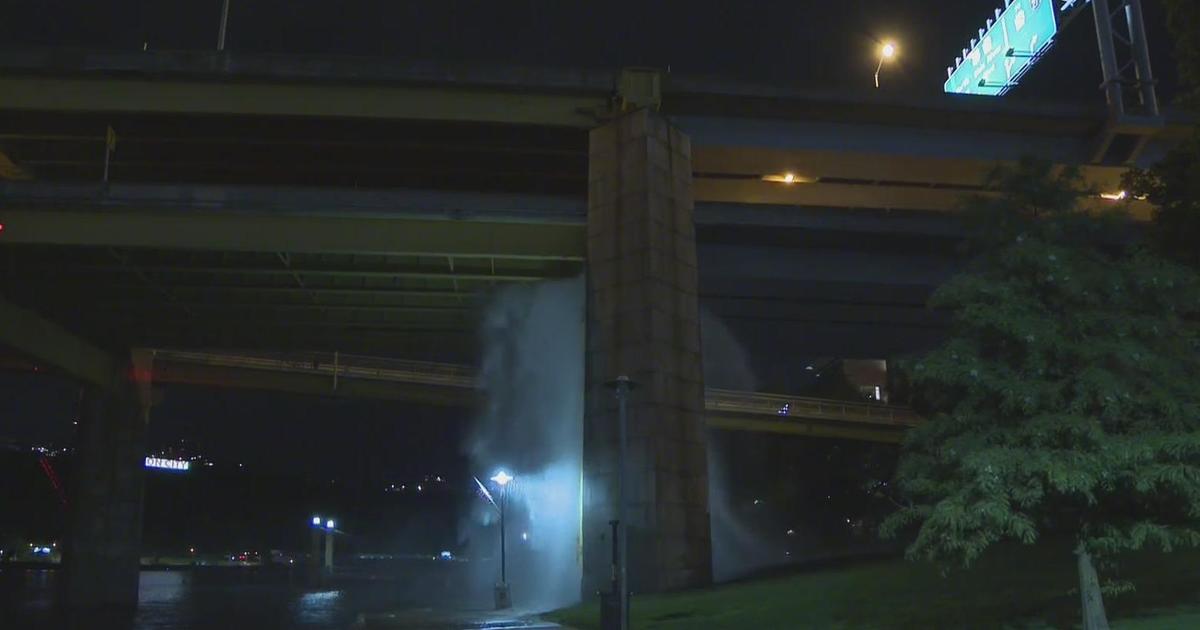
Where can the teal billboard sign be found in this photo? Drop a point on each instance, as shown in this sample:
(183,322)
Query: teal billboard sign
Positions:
(1005,49)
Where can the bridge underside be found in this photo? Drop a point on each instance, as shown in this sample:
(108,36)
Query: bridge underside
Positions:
(200,202)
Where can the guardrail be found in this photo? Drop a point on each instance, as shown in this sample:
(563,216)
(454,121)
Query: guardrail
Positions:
(784,407)
(336,366)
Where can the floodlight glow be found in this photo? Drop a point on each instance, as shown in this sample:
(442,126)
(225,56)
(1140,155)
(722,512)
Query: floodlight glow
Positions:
(329,524)
(316,521)
(888,50)
(502,478)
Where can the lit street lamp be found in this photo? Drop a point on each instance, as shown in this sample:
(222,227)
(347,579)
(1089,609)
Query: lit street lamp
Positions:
(887,52)
(503,601)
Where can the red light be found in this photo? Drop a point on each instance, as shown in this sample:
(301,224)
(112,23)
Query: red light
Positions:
(1,227)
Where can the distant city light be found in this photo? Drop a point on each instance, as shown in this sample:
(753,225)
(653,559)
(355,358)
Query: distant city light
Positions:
(446,555)
(191,550)
(418,487)
(791,532)
(502,478)
(163,463)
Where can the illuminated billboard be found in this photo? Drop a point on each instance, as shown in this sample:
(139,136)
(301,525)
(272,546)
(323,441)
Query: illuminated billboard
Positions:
(162,463)
(1005,49)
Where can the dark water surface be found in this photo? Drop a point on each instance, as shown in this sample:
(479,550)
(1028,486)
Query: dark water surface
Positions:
(227,599)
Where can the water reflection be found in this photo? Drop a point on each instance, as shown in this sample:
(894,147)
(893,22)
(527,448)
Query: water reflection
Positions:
(318,608)
(207,600)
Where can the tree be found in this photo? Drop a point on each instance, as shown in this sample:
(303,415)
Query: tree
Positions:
(1064,400)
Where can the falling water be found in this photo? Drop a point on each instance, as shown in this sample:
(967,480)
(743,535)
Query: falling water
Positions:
(532,427)
(737,548)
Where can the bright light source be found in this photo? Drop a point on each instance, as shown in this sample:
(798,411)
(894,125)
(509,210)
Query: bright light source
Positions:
(502,478)
(329,524)
(524,535)
(316,521)
(446,555)
(191,550)
(1115,196)
(787,178)
(887,52)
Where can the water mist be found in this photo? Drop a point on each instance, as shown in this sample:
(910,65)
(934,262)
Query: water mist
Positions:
(532,378)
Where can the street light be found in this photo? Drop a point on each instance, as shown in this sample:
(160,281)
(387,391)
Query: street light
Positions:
(503,601)
(887,52)
(316,521)
(329,524)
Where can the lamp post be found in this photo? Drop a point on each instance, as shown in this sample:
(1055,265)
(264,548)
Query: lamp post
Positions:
(623,385)
(887,52)
(503,600)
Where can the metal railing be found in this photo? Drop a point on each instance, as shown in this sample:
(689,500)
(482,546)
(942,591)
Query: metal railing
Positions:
(334,365)
(784,407)
(339,366)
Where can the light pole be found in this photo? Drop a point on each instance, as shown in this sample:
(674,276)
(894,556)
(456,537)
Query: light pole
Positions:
(887,52)
(224,23)
(503,600)
(623,385)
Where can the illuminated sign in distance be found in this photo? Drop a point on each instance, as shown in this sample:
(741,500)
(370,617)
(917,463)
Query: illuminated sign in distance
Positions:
(163,463)
(1005,49)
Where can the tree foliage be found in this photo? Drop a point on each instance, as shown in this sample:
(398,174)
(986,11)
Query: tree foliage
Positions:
(1183,22)
(1065,400)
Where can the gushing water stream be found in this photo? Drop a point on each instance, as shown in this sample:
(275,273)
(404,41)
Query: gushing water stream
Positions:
(532,426)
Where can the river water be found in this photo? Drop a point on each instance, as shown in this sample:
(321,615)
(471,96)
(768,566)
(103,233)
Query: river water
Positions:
(215,599)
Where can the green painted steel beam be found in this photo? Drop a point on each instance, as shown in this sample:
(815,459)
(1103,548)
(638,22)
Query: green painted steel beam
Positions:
(278,98)
(408,271)
(46,342)
(294,234)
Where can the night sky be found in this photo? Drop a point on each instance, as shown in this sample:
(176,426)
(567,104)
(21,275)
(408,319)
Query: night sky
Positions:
(823,44)
(827,45)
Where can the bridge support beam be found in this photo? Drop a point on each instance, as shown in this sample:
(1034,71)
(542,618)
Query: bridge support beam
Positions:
(643,322)
(102,555)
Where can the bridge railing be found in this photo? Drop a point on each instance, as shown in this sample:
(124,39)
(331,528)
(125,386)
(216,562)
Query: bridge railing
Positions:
(331,364)
(337,365)
(785,407)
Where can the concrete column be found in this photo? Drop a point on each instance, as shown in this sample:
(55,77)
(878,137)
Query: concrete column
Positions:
(102,553)
(643,321)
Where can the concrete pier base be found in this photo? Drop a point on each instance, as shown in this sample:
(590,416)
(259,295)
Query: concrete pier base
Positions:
(102,549)
(643,321)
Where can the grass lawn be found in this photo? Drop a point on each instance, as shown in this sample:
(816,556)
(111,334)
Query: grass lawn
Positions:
(1015,587)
